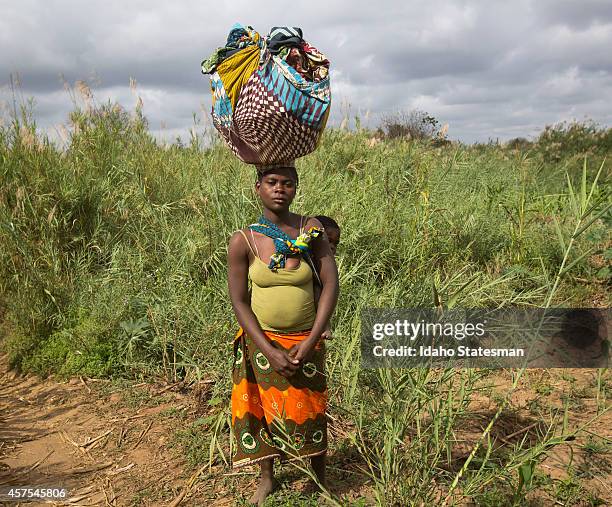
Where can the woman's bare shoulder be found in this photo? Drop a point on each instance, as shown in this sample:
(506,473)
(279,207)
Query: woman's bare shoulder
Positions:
(239,232)
(238,237)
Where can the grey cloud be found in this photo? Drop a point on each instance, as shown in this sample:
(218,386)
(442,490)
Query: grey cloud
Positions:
(485,68)
(577,14)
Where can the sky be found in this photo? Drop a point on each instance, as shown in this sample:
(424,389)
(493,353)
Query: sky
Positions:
(490,69)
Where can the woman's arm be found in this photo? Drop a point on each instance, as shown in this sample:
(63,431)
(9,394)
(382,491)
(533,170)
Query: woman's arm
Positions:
(316,290)
(237,273)
(328,272)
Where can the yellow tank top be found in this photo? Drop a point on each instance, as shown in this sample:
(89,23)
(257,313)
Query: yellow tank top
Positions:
(282,301)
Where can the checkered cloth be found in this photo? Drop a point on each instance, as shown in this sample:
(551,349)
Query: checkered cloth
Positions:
(279,115)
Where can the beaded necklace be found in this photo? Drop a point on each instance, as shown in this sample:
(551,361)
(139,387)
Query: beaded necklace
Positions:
(283,244)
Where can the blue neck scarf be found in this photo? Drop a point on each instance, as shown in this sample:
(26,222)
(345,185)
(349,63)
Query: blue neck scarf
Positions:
(283,244)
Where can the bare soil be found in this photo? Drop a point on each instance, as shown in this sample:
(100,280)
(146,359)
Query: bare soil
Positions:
(114,445)
(117,446)
(70,435)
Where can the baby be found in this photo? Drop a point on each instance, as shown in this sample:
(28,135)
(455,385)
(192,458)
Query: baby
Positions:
(332,230)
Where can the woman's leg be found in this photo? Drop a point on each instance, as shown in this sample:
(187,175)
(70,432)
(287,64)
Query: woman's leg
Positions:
(318,465)
(267,482)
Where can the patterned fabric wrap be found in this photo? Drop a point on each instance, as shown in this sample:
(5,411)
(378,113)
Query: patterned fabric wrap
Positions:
(279,115)
(283,244)
(306,60)
(235,71)
(221,103)
(230,67)
(240,37)
(275,416)
(283,36)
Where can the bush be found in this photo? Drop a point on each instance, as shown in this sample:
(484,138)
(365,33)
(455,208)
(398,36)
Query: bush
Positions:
(519,143)
(113,262)
(574,138)
(414,125)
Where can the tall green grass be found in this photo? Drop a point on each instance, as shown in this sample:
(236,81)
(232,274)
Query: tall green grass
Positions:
(113,263)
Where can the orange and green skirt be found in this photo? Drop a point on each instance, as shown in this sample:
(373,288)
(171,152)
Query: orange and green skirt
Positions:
(274,416)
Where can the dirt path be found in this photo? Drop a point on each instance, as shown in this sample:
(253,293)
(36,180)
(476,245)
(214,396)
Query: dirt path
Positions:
(105,448)
(116,444)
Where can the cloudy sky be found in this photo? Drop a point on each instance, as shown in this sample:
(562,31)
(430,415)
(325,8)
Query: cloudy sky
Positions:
(490,69)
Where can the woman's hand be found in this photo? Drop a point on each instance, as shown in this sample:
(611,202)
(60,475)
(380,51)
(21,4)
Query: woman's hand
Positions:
(302,350)
(282,362)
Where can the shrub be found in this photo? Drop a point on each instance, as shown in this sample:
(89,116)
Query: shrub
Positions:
(572,138)
(519,143)
(413,125)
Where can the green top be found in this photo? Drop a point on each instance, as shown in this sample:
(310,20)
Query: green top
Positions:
(282,301)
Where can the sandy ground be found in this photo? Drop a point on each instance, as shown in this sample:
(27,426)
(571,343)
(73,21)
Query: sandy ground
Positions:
(116,447)
(68,435)
(113,446)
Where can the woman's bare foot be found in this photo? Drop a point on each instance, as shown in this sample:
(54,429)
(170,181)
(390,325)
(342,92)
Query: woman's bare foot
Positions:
(266,486)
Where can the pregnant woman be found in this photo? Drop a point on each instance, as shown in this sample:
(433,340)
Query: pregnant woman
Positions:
(279,392)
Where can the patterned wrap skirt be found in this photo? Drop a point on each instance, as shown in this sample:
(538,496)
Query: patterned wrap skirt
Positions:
(275,416)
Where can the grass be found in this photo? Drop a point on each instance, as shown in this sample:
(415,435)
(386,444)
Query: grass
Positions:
(597,446)
(114,265)
(194,442)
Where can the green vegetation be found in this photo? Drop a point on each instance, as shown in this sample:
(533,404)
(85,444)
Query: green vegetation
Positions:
(113,264)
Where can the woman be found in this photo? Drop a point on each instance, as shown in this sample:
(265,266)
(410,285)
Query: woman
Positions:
(279,392)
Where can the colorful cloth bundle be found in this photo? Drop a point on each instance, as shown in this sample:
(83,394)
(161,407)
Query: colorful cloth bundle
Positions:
(270,98)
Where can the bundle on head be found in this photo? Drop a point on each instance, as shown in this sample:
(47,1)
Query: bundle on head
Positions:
(271,97)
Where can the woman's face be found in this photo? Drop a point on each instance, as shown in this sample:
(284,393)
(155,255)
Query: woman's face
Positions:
(276,189)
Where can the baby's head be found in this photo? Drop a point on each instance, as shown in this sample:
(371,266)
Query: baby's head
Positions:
(332,229)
